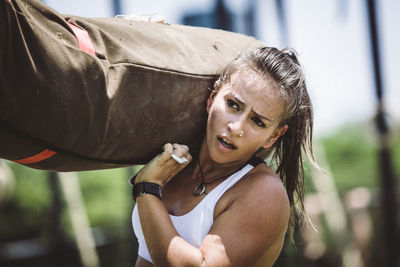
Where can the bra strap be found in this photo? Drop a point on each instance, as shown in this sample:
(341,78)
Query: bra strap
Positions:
(255,161)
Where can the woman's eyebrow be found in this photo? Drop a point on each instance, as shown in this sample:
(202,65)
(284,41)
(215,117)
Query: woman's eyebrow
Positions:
(241,102)
(261,116)
(237,98)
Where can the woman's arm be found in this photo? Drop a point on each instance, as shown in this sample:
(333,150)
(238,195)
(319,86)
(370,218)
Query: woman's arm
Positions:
(165,246)
(248,226)
(253,224)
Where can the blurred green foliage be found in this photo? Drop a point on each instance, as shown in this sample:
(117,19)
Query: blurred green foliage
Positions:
(24,212)
(106,196)
(352,155)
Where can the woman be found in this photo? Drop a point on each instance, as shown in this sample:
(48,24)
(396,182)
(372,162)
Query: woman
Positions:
(224,207)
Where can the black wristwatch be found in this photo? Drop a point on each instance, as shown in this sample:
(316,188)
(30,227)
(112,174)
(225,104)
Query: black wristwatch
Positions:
(142,188)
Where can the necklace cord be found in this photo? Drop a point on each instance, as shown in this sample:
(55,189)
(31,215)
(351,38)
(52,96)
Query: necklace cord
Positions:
(201,171)
(200,189)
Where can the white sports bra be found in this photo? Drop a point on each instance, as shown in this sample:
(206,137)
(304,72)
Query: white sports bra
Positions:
(194,225)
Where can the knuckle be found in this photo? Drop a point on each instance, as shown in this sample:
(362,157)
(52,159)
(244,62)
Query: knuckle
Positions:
(168,147)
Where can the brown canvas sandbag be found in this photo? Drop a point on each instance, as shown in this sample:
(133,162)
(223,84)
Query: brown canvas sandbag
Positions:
(146,85)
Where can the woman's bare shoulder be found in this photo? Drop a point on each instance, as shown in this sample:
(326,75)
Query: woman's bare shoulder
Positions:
(262,189)
(264,176)
(262,195)
(256,213)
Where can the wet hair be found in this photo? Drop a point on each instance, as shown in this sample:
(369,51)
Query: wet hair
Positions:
(286,153)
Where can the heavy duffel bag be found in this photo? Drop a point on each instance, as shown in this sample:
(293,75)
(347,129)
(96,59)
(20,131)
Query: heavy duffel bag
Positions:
(93,93)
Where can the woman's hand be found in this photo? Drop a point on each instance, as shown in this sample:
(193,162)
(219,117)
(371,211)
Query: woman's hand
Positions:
(163,167)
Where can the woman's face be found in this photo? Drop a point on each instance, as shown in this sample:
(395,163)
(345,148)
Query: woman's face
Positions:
(243,117)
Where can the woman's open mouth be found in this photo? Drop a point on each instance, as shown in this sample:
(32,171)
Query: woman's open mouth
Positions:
(226,143)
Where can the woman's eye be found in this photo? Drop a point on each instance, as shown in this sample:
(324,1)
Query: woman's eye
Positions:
(232,104)
(258,122)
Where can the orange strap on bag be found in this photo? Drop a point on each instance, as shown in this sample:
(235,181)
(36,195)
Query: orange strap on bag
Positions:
(45,154)
(85,44)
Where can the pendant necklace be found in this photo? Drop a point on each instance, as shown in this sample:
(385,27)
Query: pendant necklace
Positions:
(200,189)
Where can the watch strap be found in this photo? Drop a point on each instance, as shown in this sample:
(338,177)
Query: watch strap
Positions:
(142,188)
(132,179)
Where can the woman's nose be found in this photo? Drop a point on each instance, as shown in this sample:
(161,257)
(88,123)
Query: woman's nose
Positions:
(236,128)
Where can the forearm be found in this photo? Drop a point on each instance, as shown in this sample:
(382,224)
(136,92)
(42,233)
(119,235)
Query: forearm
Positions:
(165,245)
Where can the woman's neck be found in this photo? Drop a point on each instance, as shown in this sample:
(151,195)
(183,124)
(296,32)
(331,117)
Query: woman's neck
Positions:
(213,170)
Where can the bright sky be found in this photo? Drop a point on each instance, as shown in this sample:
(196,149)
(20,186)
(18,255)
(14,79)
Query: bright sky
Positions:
(330,36)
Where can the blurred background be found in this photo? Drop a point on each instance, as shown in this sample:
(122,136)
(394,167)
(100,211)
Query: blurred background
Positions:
(349,51)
